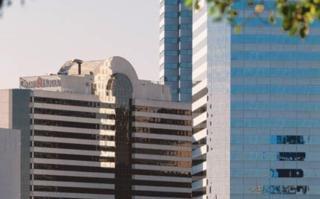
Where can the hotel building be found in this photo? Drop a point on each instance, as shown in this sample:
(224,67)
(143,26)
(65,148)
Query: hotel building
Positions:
(94,130)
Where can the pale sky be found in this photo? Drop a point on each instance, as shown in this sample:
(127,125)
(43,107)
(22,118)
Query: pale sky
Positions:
(37,38)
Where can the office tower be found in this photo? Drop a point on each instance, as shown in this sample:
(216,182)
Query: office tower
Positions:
(176,48)
(97,131)
(10,177)
(255,109)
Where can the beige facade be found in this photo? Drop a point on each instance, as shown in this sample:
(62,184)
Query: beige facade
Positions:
(95,130)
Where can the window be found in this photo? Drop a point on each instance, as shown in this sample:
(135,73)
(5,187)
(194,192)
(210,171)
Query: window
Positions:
(286,173)
(287,139)
(291,156)
(285,189)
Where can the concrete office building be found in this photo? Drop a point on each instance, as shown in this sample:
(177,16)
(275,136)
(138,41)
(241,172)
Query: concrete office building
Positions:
(97,131)
(10,172)
(176,48)
(255,110)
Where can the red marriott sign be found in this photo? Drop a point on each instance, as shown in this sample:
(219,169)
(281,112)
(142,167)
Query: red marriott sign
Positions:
(39,82)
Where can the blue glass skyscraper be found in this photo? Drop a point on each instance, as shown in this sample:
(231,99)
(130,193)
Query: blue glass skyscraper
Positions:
(176,48)
(256,96)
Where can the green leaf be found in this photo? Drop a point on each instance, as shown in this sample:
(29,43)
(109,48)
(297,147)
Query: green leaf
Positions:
(237,29)
(188,3)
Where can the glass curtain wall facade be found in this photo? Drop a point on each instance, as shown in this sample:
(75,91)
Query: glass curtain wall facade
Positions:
(255,110)
(176,48)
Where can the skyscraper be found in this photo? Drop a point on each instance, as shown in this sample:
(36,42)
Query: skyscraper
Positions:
(95,130)
(176,48)
(255,109)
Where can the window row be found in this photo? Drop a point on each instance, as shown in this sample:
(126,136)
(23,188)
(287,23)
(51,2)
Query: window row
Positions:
(274,173)
(72,102)
(274,156)
(161,131)
(89,147)
(279,122)
(160,110)
(162,120)
(161,142)
(72,124)
(275,190)
(72,135)
(275,139)
(72,157)
(72,113)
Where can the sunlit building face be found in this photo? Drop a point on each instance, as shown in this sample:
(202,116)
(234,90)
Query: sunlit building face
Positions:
(100,133)
(255,110)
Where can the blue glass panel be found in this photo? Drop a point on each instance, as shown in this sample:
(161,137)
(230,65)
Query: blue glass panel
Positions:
(275,89)
(273,39)
(275,72)
(278,106)
(271,56)
(275,123)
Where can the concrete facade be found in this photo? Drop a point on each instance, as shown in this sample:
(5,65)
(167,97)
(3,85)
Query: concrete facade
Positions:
(119,137)
(15,115)
(10,169)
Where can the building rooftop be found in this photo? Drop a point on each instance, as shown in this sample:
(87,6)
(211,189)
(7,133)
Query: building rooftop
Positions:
(93,77)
